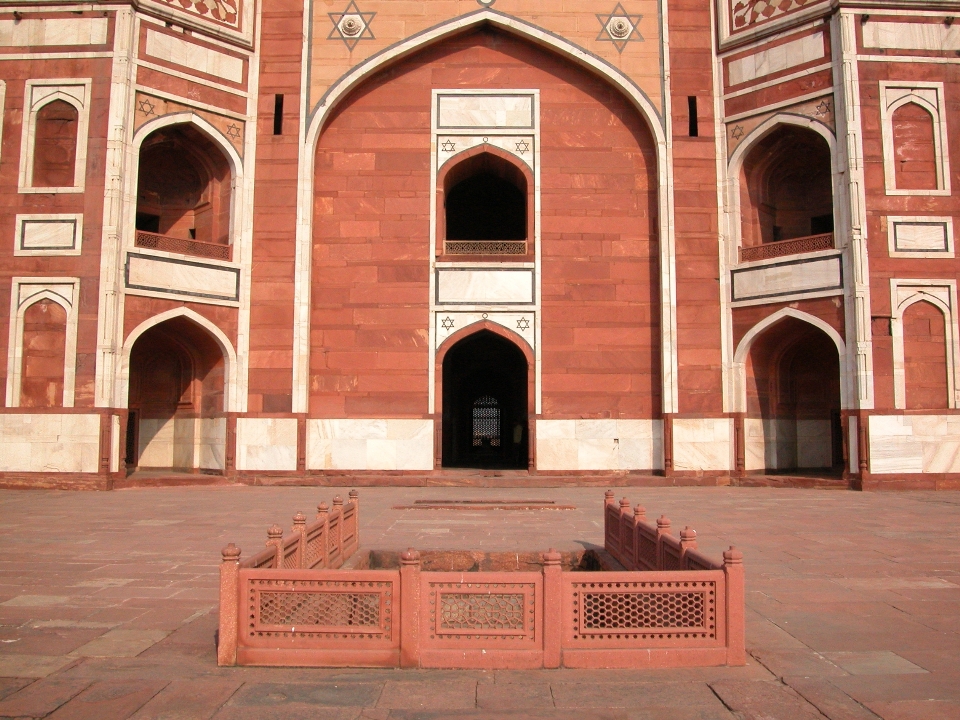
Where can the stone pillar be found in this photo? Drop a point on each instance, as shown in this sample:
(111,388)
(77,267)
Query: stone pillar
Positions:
(229,605)
(410,609)
(552,609)
(736,622)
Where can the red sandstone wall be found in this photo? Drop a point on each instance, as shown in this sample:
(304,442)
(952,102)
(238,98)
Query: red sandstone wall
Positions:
(371,237)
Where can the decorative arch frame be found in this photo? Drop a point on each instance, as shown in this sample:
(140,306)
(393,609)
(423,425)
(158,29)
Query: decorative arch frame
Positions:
(735,167)
(211,133)
(320,114)
(55,290)
(746,343)
(942,294)
(454,161)
(521,344)
(893,96)
(231,396)
(76,93)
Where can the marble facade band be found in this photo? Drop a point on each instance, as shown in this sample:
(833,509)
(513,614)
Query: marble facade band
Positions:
(682,238)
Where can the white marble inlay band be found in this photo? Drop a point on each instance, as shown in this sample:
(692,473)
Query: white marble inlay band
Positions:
(201,59)
(485,111)
(787,278)
(472,287)
(51,31)
(449,323)
(522,147)
(776,59)
(911,36)
(370,444)
(187,278)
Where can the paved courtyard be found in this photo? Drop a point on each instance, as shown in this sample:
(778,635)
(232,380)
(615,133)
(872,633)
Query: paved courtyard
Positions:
(108,606)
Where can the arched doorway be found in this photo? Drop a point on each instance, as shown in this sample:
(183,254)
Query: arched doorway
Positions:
(485,416)
(793,400)
(176,411)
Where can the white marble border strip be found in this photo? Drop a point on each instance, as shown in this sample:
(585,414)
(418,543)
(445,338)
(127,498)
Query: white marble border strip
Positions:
(24,292)
(76,219)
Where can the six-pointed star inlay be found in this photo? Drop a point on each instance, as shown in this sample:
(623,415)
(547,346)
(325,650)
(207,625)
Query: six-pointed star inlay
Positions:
(619,27)
(351,25)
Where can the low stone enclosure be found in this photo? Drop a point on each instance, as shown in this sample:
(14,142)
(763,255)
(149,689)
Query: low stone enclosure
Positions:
(647,599)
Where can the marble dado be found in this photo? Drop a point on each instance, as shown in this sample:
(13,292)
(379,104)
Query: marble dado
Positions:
(523,147)
(468,286)
(182,443)
(934,37)
(266,444)
(780,279)
(484,110)
(520,323)
(599,444)
(195,58)
(703,444)
(785,443)
(40,32)
(370,444)
(914,444)
(182,277)
(49,443)
(776,59)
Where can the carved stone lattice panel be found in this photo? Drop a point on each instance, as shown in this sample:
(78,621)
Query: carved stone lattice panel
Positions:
(749,14)
(644,610)
(337,609)
(520,146)
(222,12)
(820,109)
(150,107)
(492,611)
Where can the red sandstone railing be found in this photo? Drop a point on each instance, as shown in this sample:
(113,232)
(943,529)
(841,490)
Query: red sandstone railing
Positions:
(672,606)
(485,247)
(197,248)
(794,246)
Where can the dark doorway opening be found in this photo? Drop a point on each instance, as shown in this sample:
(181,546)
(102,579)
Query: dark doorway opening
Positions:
(486,199)
(485,404)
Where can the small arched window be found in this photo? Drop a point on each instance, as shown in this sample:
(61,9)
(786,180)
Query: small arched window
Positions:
(925,351)
(486,422)
(55,145)
(914,148)
(44,347)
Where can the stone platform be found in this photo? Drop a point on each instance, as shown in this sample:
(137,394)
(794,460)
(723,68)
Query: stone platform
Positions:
(108,606)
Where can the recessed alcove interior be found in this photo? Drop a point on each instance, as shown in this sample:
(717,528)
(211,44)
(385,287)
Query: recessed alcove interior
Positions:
(793,399)
(55,145)
(176,399)
(486,207)
(183,187)
(786,187)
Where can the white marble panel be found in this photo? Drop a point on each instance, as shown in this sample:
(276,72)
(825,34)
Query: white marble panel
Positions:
(522,147)
(53,31)
(914,444)
(522,324)
(787,278)
(702,444)
(266,444)
(485,111)
(213,440)
(370,444)
(156,443)
(759,451)
(45,234)
(557,453)
(920,236)
(556,429)
(776,59)
(472,287)
(189,278)
(814,444)
(49,443)
(601,444)
(933,36)
(190,55)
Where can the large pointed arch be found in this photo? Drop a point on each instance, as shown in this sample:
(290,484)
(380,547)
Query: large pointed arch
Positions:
(319,115)
(231,396)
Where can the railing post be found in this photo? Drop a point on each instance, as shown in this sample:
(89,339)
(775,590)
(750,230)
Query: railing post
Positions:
(733,574)
(663,528)
(552,609)
(355,499)
(688,541)
(300,529)
(410,609)
(624,530)
(275,540)
(639,517)
(338,540)
(323,513)
(229,605)
(611,535)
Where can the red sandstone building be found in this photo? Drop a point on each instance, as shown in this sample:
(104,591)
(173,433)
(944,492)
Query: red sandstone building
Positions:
(284,239)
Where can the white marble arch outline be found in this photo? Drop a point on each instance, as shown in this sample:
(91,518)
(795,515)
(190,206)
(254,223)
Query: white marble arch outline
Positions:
(46,289)
(341,89)
(59,90)
(231,396)
(740,357)
(893,96)
(903,294)
(214,135)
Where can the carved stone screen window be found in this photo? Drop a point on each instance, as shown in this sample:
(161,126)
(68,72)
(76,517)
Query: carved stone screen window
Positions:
(486,422)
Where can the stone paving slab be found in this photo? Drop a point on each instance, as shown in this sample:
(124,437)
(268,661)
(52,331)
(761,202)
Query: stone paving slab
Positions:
(853,607)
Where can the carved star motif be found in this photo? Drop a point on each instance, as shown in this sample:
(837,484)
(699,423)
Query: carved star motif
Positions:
(523,324)
(351,25)
(824,108)
(737,132)
(147,107)
(619,27)
(447,323)
(233,131)
(523,146)
(448,146)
